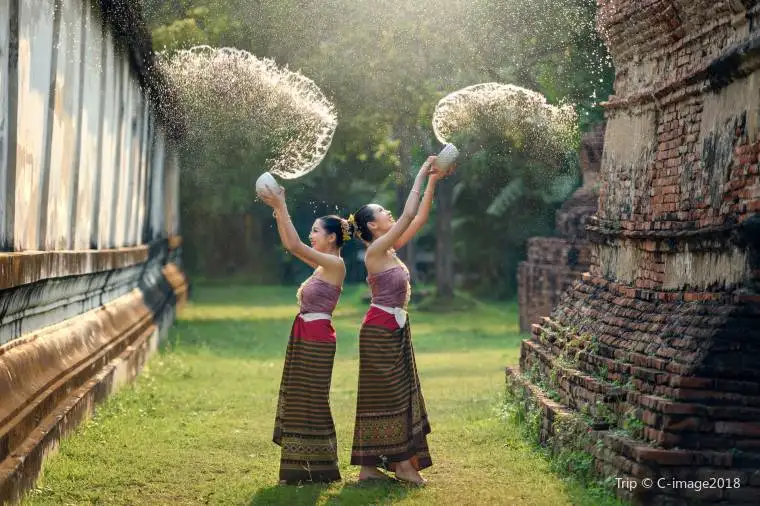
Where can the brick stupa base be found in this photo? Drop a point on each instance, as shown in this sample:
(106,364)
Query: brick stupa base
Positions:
(651,361)
(646,411)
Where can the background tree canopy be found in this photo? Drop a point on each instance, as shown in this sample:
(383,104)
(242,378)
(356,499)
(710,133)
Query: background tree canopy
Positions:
(385,65)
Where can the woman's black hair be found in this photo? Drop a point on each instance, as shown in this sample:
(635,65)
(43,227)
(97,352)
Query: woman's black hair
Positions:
(363,216)
(342,229)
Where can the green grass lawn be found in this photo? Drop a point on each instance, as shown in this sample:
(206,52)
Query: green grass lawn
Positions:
(196,426)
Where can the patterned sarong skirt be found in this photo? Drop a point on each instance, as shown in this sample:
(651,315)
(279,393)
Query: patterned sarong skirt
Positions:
(304,425)
(391,420)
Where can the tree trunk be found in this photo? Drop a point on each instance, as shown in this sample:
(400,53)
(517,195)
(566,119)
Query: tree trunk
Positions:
(444,234)
(444,239)
(407,254)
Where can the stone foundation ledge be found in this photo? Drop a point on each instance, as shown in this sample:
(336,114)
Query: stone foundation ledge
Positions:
(51,380)
(628,465)
(20,268)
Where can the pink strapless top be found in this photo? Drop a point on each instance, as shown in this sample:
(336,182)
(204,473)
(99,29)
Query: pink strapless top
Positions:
(317,296)
(390,287)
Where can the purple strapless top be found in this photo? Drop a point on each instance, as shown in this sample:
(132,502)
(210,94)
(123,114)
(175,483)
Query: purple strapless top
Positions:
(317,296)
(390,287)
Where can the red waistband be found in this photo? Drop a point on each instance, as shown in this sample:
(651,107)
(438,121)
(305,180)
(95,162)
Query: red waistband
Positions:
(379,318)
(316,330)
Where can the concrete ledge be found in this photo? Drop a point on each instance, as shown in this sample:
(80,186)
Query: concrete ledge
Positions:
(31,266)
(51,380)
(178,281)
(19,472)
(175,242)
(29,308)
(37,373)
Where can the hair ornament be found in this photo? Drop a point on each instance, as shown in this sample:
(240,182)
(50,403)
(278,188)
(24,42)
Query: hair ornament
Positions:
(345,226)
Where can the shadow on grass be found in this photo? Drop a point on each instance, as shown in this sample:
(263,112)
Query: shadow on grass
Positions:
(355,493)
(351,493)
(276,495)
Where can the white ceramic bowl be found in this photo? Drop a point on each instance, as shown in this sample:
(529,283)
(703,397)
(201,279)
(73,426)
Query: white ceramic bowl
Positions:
(266,180)
(446,157)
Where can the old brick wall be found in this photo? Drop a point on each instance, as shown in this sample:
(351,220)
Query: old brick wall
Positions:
(657,348)
(553,263)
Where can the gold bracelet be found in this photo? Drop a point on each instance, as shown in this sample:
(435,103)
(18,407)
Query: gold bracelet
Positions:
(274,214)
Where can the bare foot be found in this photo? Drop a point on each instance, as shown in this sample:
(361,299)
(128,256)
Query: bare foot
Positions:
(406,472)
(371,473)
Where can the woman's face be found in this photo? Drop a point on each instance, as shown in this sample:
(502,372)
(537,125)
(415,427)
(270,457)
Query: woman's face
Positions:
(383,220)
(319,238)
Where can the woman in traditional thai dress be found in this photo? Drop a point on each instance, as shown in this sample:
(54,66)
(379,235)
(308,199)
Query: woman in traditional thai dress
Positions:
(304,425)
(391,419)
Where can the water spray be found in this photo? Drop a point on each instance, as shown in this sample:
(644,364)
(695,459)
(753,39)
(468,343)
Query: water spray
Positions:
(224,89)
(518,114)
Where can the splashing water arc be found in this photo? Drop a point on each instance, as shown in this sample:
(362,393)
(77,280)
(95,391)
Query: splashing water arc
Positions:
(220,86)
(511,110)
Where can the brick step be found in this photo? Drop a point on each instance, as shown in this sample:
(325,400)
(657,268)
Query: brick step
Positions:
(718,301)
(576,389)
(617,374)
(656,375)
(672,423)
(658,381)
(616,370)
(581,378)
(621,457)
(660,355)
(683,424)
(646,453)
(670,384)
(644,336)
(642,306)
(663,329)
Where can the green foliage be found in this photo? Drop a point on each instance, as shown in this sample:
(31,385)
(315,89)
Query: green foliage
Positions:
(567,450)
(550,46)
(504,198)
(385,65)
(632,424)
(181,24)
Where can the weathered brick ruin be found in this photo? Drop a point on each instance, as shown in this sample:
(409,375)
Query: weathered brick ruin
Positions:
(652,361)
(553,263)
